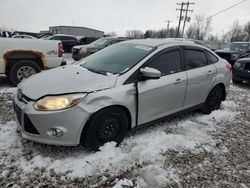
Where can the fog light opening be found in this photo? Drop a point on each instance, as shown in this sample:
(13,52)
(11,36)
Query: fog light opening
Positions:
(55,132)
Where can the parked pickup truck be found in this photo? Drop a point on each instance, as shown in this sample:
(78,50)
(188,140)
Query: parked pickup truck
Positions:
(20,59)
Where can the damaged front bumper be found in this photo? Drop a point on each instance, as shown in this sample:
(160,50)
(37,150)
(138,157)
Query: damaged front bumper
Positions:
(62,127)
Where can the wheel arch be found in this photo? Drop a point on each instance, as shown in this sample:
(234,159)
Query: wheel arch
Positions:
(223,87)
(11,57)
(124,108)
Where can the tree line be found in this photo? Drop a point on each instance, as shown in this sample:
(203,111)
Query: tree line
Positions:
(200,29)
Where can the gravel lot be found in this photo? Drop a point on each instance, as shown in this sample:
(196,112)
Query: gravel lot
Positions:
(194,150)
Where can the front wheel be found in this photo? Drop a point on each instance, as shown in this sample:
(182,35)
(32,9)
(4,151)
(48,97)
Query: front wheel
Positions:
(213,100)
(22,69)
(109,124)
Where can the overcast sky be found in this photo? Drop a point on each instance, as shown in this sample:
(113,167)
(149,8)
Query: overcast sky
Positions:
(113,15)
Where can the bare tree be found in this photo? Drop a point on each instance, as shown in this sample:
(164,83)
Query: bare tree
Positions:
(134,34)
(172,32)
(236,32)
(247,31)
(213,38)
(150,34)
(199,29)
(163,33)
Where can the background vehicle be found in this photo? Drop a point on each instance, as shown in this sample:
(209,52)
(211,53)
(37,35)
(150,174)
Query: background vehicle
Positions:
(23,37)
(68,41)
(241,71)
(234,51)
(125,85)
(85,40)
(81,51)
(24,33)
(20,59)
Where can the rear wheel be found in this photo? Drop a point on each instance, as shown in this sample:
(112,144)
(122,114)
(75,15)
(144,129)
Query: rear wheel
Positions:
(235,81)
(109,124)
(213,100)
(22,69)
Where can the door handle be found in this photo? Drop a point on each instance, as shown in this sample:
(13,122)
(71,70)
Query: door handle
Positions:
(178,81)
(210,72)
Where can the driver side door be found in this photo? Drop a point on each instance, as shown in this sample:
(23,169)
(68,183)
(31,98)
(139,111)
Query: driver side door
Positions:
(164,96)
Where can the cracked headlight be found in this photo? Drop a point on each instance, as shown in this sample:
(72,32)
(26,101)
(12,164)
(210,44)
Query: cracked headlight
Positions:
(60,102)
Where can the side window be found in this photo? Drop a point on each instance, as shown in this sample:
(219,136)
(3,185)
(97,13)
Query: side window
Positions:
(212,57)
(195,59)
(168,63)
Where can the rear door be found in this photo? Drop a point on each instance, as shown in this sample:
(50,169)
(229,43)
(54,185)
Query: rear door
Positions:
(164,96)
(200,74)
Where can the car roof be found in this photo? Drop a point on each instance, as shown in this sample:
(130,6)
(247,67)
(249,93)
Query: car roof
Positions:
(159,42)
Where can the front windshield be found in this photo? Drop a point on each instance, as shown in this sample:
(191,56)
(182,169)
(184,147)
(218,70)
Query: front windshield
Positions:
(238,47)
(99,42)
(116,59)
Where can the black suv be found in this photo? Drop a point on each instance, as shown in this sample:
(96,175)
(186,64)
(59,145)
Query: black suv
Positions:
(68,41)
(234,51)
(241,70)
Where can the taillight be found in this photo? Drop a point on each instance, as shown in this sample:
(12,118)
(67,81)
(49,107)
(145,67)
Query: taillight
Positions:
(60,50)
(229,66)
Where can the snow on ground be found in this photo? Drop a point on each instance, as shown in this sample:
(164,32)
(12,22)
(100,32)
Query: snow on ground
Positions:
(145,147)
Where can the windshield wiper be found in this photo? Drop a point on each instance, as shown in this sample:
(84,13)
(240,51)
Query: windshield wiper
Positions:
(95,71)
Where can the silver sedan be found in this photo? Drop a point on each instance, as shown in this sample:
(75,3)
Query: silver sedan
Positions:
(121,87)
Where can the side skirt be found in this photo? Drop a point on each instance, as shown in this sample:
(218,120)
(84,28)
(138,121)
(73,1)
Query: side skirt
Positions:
(171,116)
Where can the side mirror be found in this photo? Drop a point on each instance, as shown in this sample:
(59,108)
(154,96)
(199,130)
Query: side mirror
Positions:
(150,73)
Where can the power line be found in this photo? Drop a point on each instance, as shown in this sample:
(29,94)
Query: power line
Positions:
(226,9)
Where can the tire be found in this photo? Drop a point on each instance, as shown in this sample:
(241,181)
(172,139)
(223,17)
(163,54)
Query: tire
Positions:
(22,69)
(213,100)
(109,124)
(237,81)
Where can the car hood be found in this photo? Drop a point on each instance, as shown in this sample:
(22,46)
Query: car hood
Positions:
(67,79)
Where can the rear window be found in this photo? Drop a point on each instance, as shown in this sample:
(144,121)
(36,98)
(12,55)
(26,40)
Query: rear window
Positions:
(212,57)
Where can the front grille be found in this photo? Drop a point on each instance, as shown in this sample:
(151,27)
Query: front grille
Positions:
(28,126)
(18,113)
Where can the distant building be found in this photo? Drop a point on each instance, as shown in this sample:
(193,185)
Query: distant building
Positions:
(77,31)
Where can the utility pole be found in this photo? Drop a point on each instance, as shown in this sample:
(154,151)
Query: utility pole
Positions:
(180,18)
(168,21)
(186,18)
